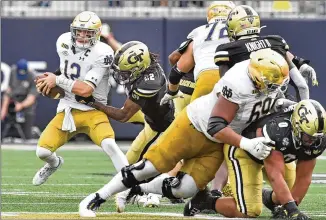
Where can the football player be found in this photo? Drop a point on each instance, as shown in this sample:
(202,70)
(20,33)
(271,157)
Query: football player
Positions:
(187,82)
(298,133)
(190,136)
(84,68)
(243,27)
(199,53)
(140,72)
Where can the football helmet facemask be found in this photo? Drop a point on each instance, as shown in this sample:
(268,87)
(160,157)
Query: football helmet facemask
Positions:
(268,70)
(308,122)
(130,61)
(243,20)
(219,10)
(85,29)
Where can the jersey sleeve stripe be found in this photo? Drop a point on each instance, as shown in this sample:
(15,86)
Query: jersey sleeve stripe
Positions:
(222,53)
(148,91)
(147,94)
(220,59)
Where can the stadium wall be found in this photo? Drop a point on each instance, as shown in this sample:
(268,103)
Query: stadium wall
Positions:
(34,39)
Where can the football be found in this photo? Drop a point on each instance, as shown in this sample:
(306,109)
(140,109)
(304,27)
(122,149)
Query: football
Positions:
(55,93)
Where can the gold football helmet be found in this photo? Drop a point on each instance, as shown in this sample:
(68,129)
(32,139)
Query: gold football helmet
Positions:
(243,20)
(130,61)
(85,29)
(308,122)
(268,70)
(219,10)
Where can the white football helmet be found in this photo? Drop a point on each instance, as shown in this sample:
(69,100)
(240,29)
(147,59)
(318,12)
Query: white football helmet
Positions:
(85,29)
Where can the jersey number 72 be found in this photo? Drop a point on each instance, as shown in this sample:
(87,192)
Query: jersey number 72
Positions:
(221,31)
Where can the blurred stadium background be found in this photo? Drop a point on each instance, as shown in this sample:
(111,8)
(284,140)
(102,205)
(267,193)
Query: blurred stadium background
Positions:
(29,29)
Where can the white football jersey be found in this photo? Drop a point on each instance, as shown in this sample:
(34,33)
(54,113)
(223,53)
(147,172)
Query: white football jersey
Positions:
(205,40)
(237,87)
(78,64)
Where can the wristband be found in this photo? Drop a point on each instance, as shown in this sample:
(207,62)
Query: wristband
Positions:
(63,82)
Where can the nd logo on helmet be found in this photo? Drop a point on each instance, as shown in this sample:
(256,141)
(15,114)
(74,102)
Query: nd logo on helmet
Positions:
(134,58)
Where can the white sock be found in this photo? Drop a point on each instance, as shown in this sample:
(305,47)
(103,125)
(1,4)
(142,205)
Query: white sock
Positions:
(47,156)
(154,186)
(111,148)
(113,187)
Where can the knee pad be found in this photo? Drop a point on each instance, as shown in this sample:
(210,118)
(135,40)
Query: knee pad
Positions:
(42,152)
(128,178)
(181,186)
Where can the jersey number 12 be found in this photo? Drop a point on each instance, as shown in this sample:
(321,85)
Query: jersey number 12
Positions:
(73,66)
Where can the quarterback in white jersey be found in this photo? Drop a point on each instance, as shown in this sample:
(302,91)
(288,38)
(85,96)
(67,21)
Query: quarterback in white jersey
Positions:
(84,71)
(200,53)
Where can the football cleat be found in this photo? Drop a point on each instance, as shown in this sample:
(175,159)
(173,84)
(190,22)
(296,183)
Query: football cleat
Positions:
(201,201)
(121,200)
(45,172)
(216,193)
(90,204)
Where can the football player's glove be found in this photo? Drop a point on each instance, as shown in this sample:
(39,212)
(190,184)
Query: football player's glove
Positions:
(257,147)
(85,100)
(309,72)
(171,95)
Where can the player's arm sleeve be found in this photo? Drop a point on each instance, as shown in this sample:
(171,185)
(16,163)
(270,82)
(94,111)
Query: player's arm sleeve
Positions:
(299,83)
(222,56)
(94,76)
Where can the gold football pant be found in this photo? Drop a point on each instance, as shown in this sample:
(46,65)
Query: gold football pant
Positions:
(181,103)
(137,118)
(141,144)
(246,179)
(205,83)
(181,140)
(94,123)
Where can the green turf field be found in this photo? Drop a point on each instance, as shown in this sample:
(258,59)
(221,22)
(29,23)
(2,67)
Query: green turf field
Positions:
(84,172)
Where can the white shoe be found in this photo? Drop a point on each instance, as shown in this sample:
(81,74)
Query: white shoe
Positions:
(121,200)
(88,206)
(153,200)
(45,172)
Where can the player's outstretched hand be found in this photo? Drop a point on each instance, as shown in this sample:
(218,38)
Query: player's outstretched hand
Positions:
(307,70)
(258,147)
(169,96)
(85,100)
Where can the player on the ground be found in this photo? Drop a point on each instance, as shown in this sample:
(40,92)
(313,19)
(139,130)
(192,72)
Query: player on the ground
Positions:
(144,80)
(199,53)
(84,69)
(203,153)
(298,133)
(243,27)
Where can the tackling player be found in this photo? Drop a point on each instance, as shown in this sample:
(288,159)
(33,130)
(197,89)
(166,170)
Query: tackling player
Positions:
(243,27)
(190,136)
(140,72)
(84,68)
(298,133)
(199,53)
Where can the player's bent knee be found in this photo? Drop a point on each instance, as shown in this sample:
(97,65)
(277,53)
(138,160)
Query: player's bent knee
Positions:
(42,152)
(180,186)
(128,178)
(254,210)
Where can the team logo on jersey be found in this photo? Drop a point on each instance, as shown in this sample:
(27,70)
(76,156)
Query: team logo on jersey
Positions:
(135,96)
(286,141)
(227,93)
(65,46)
(108,59)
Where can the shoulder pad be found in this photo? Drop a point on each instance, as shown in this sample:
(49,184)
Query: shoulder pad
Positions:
(63,41)
(103,55)
(279,39)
